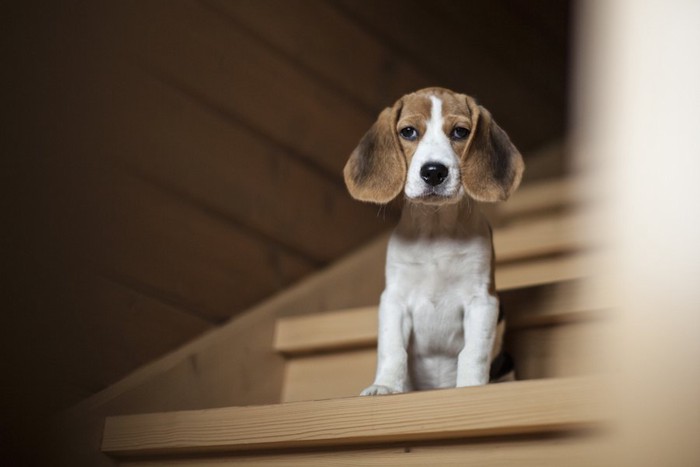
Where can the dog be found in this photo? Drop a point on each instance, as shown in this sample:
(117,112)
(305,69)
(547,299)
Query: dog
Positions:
(439,319)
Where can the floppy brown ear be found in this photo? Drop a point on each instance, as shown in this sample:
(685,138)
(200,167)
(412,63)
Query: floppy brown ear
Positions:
(491,165)
(376,170)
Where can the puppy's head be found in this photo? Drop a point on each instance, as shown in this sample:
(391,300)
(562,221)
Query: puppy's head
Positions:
(435,146)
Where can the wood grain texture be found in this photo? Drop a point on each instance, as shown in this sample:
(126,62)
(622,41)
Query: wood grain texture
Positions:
(114,326)
(142,234)
(544,271)
(552,304)
(534,197)
(526,240)
(575,450)
(375,77)
(563,345)
(559,350)
(329,375)
(539,237)
(499,89)
(199,50)
(505,409)
(537,306)
(226,170)
(327,331)
(233,364)
(564,350)
(533,63)
(338,286)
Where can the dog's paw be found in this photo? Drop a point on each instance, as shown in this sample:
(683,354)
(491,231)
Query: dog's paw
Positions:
(379,390)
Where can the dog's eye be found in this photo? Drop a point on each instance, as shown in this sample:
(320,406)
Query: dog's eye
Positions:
(459,132)
(409,133)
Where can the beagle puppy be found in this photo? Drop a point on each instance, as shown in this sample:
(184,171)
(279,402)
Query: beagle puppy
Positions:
(439,323)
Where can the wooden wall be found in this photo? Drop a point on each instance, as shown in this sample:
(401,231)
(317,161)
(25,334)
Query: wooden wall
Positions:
(169,164)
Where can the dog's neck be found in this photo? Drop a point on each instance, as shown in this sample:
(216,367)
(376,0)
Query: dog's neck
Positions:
(453,220)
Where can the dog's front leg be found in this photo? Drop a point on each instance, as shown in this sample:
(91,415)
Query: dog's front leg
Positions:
(480,321)
(392,355)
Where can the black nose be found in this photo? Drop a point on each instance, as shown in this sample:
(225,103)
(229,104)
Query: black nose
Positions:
(433,174)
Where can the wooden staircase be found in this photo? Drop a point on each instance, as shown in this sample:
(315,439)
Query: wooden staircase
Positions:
(563,407)
(552,416)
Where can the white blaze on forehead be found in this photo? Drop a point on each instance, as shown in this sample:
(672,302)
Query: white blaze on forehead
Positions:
(435,123)
(434,147)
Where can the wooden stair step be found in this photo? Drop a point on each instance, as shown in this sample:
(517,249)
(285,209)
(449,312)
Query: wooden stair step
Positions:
(541,406)
(570,450)
(334,330)
(536,305)
(544,270)
(541,240)
(541,196)
(540,237)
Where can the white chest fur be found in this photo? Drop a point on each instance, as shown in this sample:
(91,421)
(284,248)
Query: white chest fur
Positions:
(433,280)
(438,273)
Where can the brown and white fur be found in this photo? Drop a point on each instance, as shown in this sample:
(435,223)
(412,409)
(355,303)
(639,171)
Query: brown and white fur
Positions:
(439,322)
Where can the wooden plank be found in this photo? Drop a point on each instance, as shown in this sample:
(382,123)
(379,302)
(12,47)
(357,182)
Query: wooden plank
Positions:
(333,287)
(539,237)
(328,376)
(96,332)
(552,304)
(505,409)
(175,142)
(201,51)
(535,306)
(354,328)
(140,234)
(539,62)
(563,349)
(543,271)
(120,326)
(550,161)
(567,349)
(374,77)
(575,450)
(552,331)
(234,364)
(529,120)
(538,197)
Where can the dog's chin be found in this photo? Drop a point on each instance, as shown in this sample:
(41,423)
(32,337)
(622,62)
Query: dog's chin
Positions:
(436,199)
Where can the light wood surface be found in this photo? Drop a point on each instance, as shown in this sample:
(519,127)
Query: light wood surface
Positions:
(233,364)
(329,375)
(543,305)
(506,409)
(539,197)
(552,304)
(334,330)
(579,450)
(539,237)
(566,349)
(543,271)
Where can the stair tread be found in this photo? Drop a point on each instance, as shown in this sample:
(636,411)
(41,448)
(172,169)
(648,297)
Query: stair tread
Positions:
(357,327)
(543,236)
(539,406)
(334,330)
(542,195)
